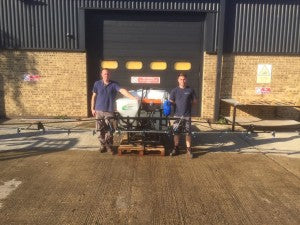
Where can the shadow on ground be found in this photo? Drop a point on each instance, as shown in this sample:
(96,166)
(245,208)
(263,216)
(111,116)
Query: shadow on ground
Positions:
(28,144)
(243,142)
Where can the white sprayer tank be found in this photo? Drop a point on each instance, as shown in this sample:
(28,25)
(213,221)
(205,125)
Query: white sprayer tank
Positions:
(127,107)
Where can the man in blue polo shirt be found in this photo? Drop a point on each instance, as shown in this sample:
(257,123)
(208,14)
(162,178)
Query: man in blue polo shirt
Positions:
(183,97)
(102,106)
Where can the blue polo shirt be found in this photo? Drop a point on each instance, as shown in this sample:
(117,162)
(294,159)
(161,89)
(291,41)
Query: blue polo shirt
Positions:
(106,95)
(183,98)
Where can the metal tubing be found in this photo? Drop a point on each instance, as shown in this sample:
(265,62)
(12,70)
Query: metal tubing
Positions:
(233,117)
(220,56)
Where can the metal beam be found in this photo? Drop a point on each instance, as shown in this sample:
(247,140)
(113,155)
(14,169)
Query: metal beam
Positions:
(220,44)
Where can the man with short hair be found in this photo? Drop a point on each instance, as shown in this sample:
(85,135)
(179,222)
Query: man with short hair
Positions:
(183,97)
(102,106)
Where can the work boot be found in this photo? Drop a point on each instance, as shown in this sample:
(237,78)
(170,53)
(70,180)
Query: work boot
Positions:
(102,148)
(174,151)
(109,149)
(189,152)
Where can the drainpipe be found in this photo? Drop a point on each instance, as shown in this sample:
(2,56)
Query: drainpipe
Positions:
(222,5)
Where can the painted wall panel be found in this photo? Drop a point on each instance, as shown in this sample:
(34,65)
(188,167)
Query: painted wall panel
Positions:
(251,26)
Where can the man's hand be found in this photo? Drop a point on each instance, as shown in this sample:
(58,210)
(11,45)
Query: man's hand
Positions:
(127,94)
(94,112)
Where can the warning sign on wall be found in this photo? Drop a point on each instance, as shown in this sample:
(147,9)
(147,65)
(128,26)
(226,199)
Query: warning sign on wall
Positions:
(29,77)
(145,80)
(264,73)
(262,90)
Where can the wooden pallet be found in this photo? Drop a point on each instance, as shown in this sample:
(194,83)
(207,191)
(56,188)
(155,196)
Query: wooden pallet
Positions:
(157,149)
(140,149)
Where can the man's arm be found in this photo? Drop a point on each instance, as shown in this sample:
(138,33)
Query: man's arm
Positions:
(172,96)
(93,103)
(127,94)
(194,99)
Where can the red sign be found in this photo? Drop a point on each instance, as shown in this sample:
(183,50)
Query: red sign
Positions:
(28,77)
(145,80)
(262,90)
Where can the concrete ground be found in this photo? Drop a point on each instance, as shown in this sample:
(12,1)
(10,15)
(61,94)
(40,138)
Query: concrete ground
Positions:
(236,178)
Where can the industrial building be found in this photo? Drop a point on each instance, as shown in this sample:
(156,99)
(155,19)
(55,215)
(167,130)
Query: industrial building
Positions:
(51,52)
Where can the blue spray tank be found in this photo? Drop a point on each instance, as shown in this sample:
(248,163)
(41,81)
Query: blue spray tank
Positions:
(167,107)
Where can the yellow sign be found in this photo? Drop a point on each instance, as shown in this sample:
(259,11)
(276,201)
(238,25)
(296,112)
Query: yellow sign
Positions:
(264,73)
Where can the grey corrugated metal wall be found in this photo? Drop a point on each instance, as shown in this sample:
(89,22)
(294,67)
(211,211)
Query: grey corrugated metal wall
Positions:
(267,27)
(253,27)
(44,24)
(39,24)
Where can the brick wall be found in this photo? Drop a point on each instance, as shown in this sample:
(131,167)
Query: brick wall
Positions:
(208,85)
(60,89)
(239,75)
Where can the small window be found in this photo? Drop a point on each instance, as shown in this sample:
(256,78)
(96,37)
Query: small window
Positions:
(134,65)
(109,64)
(158,65)
(182,66)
